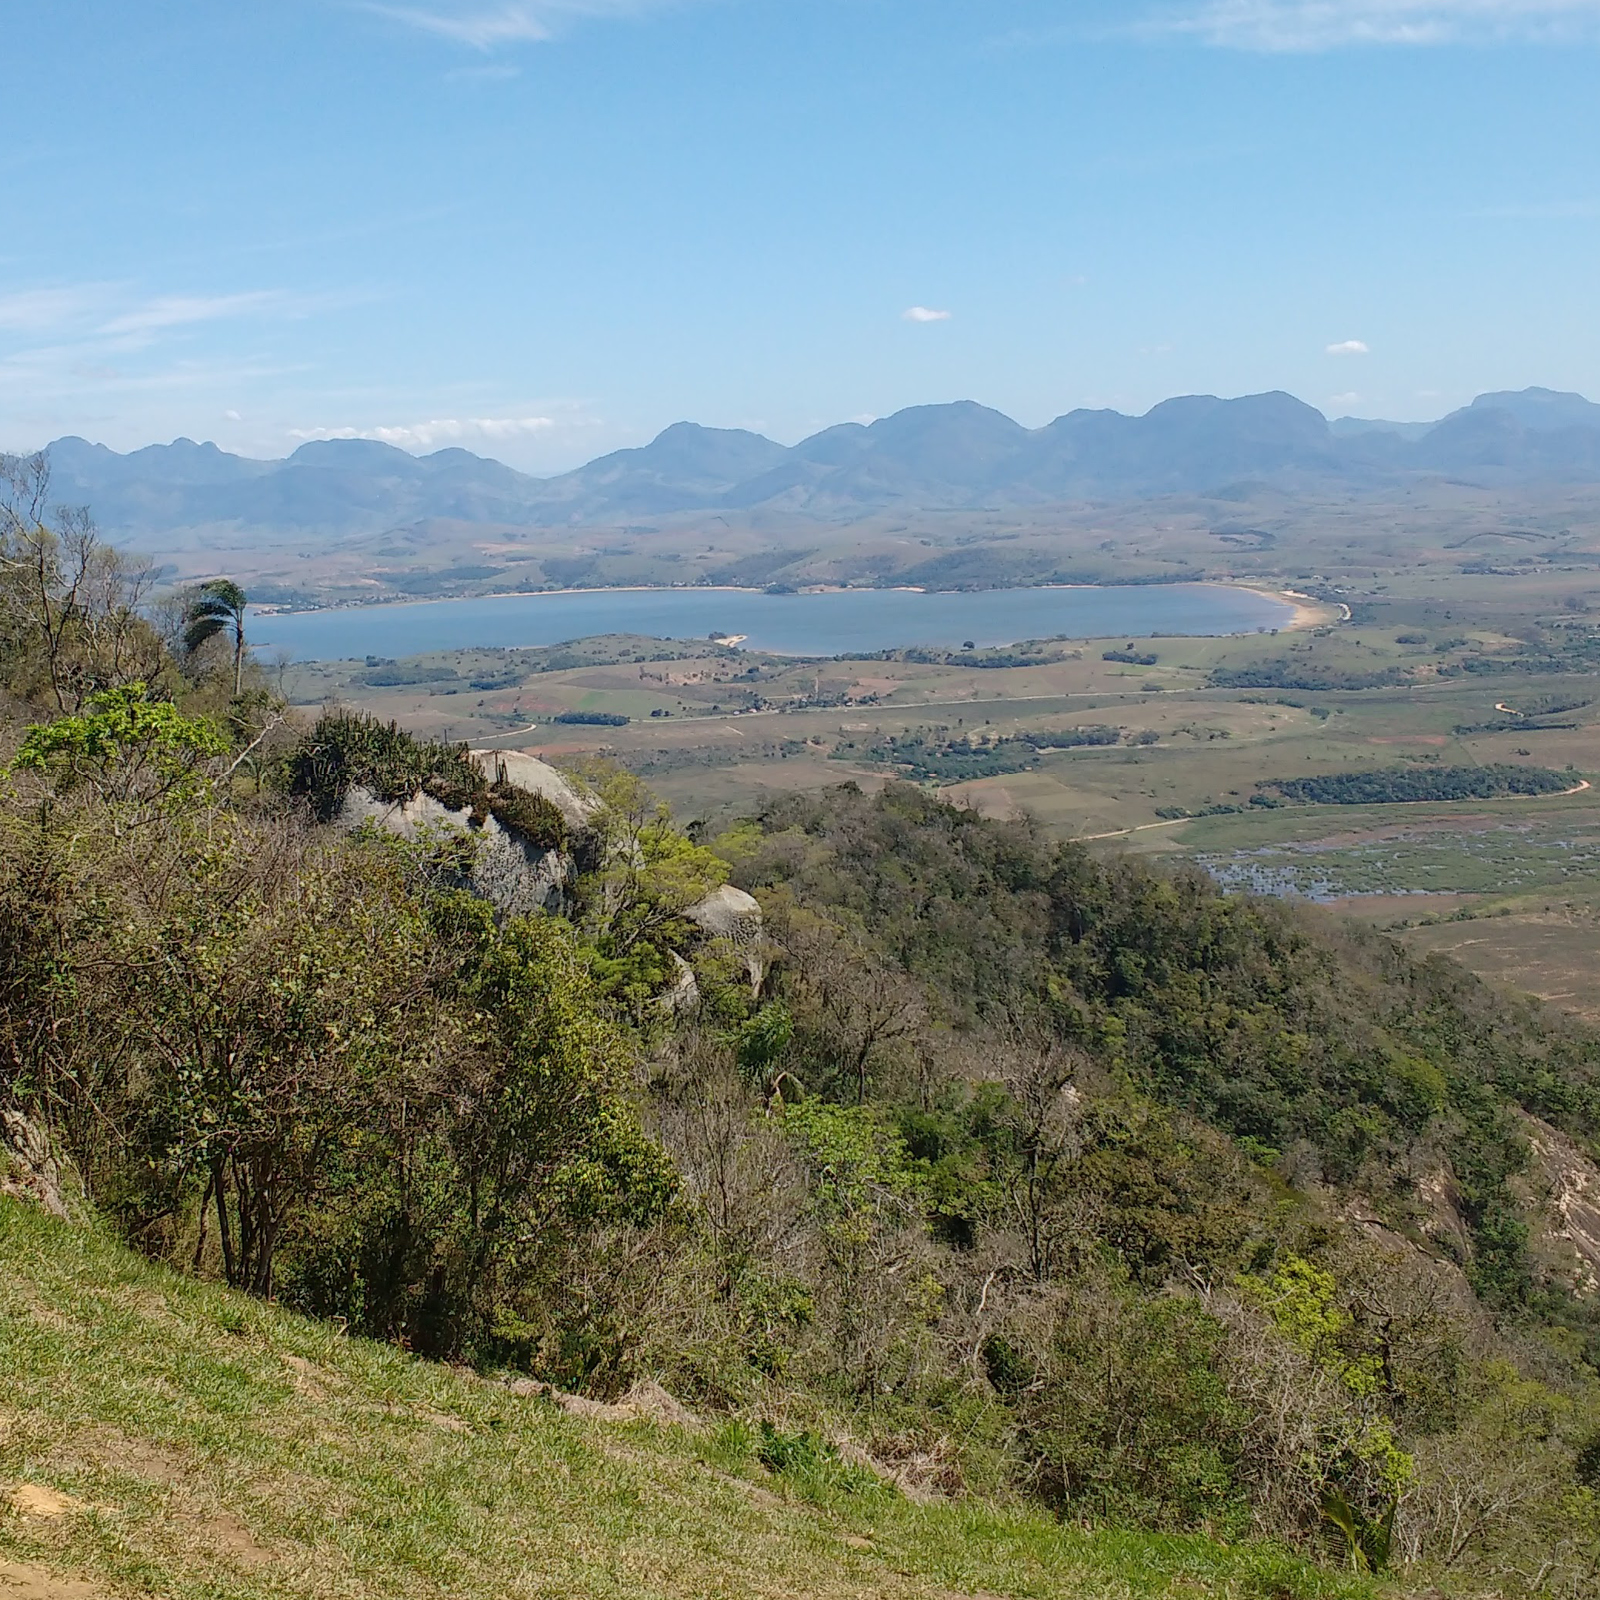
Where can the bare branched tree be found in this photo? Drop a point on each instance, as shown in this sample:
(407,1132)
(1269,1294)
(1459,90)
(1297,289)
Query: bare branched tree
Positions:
(857,1008)
(1042,1118)
(69,602)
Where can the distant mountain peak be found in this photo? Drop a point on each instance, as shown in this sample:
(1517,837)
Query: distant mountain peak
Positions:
(955,455)
(1541,409)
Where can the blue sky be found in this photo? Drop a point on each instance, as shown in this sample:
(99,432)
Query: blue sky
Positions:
(542,230)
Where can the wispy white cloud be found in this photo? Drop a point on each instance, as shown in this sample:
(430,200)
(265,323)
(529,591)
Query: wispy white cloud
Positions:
(1349,347)
(184,310)
(439,431)
(486,26)
(1310,25)
(924,314)
(40,310)
(113,312)
(69,350)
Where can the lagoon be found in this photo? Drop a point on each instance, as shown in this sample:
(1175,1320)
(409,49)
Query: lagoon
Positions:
(833,622)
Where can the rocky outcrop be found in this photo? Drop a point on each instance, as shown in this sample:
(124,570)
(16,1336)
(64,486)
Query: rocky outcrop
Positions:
(519,875)
(539,777)
(1443,1220)
(514,875)
(684,995)
(517,869)
(732,915)
(1566,1195)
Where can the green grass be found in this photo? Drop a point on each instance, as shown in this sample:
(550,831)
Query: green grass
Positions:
(211,1446)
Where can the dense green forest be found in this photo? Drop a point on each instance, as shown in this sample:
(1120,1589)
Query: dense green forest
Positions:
(596,719)
(970,656)
(1383,785)
(1026,1173)
(1307,675)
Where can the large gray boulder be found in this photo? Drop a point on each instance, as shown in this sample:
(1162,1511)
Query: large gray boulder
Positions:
(731,914)
(539,777)
(684,993)
(515,876)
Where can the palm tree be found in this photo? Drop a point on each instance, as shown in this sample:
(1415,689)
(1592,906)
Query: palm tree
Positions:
(216,606)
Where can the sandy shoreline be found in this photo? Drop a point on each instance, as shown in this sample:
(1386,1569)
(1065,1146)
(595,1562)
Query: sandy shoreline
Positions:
(1308,613)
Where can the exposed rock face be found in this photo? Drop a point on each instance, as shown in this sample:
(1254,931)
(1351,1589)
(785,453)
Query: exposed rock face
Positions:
(1568,1194)
(684,995)
(1444,1223)
(538,777)
(515,877)
(28,1171)
(731,914)
(518,877)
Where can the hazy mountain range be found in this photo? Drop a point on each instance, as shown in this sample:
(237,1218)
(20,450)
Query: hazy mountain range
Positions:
(955,456)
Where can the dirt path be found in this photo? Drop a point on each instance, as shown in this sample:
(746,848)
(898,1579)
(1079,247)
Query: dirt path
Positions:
(1117,833)
(483,741)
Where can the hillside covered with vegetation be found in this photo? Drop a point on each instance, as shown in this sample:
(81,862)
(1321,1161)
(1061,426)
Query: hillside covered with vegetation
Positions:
(173,1437)
(1039,1187)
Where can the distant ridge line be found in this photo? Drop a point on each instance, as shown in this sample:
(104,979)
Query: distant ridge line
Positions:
(955,456)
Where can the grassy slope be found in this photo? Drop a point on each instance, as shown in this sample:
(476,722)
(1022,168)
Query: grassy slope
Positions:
(168,1437)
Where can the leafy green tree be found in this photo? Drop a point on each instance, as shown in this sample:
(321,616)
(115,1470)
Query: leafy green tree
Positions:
(286,991)
(493,1156)
(133,753)
(646,876)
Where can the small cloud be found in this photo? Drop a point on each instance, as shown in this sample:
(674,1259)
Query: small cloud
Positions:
(1285,26)
(480,28)
(1344,399)
(438,431)
(232,416)
(184,310)
(1349,347)
(486,26)
(923,314)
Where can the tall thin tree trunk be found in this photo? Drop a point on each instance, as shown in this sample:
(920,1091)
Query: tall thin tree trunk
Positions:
(219,1181)
(205,1213)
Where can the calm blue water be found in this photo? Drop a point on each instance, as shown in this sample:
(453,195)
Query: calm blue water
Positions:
(789,624)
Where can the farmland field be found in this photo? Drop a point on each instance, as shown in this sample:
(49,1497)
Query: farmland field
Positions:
(1432,674)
